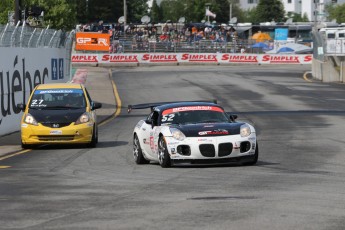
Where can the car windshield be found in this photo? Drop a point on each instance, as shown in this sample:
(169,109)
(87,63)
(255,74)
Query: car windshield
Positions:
(57,99)
(193,115)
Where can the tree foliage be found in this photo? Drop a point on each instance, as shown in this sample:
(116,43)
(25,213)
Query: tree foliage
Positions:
(5,7)
(194,10)
(336,12)
(269,10)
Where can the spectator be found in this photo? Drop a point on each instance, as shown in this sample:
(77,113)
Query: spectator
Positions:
(100,27)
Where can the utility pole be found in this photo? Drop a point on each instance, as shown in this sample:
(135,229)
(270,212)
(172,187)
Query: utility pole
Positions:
(17,11)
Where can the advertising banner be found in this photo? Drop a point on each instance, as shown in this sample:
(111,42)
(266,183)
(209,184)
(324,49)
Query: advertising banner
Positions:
(281,34)
(20,72)
(92,41)
(207,58)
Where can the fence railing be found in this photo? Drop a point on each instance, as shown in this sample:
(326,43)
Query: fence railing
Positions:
(29,37)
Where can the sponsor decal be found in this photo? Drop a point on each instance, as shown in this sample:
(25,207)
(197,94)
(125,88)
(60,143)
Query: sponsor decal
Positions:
(146,142)
(45,91)
(308,58)
(55,132)
(84,58)
(240,58)
(192,108)
(92,41)
(160,57)
(204,139)
(199,57)
(152,145)
(173,143)
(236,146)
(214,132)
(287,59)
(120,58)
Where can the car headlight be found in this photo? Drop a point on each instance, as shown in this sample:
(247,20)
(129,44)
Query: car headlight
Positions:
(84,118)
(29,119)
(177,134)
(245,130)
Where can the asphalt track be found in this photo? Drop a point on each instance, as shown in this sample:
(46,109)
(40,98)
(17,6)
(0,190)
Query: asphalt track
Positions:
(298,182)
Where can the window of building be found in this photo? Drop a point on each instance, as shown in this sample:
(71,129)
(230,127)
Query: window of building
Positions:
(289,1)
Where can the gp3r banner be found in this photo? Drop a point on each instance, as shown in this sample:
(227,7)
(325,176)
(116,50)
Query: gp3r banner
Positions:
(220,58)
(92,41)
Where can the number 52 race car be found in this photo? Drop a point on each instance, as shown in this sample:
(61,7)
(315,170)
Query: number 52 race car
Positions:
(192,132)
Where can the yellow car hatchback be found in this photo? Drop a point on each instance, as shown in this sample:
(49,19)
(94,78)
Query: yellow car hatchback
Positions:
(59,113)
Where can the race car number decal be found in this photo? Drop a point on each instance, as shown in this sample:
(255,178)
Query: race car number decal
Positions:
(169,117)
(37,103)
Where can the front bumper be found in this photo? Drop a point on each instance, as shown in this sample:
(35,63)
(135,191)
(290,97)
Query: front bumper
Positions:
(212,150)
(72,134)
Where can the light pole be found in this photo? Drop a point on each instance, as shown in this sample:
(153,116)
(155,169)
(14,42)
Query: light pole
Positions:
(230,10)
(208,8)
(125,16)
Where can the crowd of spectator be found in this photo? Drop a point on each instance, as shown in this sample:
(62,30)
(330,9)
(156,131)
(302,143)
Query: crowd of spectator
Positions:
(168,34)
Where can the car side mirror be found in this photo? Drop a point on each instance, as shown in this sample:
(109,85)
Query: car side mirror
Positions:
(96,105)
(233,117)
(149,122)
(21,106)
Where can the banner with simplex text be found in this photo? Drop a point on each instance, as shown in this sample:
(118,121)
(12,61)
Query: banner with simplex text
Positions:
(220,58)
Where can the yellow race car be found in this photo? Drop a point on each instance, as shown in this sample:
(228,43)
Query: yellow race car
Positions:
(59,113)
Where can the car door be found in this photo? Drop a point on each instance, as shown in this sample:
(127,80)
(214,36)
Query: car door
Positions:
(147,133)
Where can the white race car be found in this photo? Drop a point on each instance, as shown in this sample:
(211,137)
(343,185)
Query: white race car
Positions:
(192,132)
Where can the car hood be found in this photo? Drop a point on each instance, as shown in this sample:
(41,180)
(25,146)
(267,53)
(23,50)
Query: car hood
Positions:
(209,129)
(56,115)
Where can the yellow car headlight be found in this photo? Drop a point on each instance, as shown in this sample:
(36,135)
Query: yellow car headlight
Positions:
(84,118)
(29,119)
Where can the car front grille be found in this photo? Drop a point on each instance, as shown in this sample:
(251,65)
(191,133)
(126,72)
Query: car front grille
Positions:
(55,125)
(56,138)
(224,149)
(184,150)
(207,150)
(245,146)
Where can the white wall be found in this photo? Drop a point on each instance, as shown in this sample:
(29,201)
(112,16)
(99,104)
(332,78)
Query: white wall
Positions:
(21,69)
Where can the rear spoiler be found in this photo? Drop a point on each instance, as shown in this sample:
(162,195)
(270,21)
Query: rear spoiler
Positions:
(155,104)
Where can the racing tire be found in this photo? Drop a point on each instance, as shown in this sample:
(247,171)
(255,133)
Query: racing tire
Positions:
(255,157)
(163,154)
(94,139)
(138,152)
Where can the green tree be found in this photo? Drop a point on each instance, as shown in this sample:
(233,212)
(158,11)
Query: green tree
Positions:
(268,10)
(59,14)
(336,12)
(5,7)
(298,17)
(136,10)
(107,11)
(155,12)
(82,11)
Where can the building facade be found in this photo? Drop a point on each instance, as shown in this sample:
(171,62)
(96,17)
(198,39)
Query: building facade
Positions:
(314,11)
